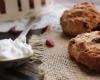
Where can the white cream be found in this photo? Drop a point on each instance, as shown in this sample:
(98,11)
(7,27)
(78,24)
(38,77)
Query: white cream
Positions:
(10,49)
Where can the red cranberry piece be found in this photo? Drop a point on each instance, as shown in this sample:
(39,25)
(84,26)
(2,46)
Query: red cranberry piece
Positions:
(49,43)
(13,30)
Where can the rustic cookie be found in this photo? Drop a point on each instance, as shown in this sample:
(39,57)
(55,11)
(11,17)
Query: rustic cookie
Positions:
(85,49)
(79,20)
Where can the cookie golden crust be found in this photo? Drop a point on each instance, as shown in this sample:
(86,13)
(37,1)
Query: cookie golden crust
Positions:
(79,20)
(85,5)
(85,49)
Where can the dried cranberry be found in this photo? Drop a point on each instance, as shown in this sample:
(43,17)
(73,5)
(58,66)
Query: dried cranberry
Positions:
(13,30)
(49,43)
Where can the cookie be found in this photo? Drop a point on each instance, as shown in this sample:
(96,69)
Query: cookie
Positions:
(79,20)
(85,49)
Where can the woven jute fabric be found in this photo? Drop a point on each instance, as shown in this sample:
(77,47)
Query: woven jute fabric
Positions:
(57,64)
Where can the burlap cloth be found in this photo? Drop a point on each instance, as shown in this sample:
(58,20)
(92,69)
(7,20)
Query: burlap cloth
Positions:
(57,64)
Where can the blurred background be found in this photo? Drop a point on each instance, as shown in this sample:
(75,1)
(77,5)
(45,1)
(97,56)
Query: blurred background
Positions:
(52,18)
(71,2)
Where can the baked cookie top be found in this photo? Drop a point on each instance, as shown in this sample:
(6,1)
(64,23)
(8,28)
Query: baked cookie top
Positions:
(82,18)
(85,49)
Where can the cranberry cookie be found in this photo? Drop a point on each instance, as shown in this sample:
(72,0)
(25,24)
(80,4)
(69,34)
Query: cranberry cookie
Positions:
(80,19)
(85,49)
